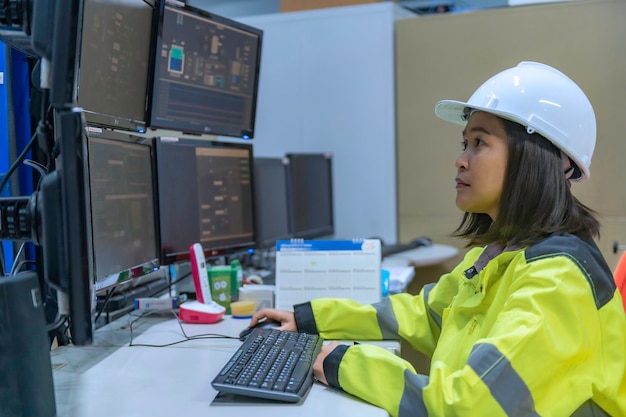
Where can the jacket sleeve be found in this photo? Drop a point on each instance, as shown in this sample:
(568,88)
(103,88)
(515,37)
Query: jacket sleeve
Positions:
(413,318)
(509,370)
(400,316)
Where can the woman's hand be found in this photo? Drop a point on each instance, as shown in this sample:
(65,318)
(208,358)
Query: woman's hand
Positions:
(286,318)
(318,365)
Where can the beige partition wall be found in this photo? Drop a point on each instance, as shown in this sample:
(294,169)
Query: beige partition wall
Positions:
(449,56)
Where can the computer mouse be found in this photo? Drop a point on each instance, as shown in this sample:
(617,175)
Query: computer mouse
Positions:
(263,324)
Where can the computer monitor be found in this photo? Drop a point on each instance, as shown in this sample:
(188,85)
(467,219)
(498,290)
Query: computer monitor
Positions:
(310,194)
(205,193)
(206,73)
(123,207)
(270,198)
(58,215)
(115,54)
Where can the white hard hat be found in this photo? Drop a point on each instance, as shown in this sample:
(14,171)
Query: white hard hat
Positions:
(542,99)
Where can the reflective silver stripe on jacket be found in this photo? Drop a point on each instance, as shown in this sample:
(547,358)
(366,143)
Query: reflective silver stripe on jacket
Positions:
(412,402)
(387,321)
(436,317)
(505,384)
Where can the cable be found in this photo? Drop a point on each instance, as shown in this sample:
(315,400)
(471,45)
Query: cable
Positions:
(169,286)
(42,123)
(57,323)
(17,162)
(36,165)
(180,324)
(106,301)
(18,267)
(17,256)
(156,291)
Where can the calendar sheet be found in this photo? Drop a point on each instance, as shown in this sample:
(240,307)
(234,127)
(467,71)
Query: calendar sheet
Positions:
(308,269)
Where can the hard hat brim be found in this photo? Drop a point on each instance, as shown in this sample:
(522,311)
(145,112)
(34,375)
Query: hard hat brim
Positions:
(452,111)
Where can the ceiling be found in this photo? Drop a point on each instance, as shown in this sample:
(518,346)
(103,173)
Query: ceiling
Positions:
(238,8)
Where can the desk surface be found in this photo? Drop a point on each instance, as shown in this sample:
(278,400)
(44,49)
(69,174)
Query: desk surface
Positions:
(422,256)
(110,378)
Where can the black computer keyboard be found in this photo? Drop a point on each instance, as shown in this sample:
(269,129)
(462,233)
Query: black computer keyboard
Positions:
(271,364)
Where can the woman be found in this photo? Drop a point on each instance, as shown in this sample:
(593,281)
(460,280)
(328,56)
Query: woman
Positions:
(529,323)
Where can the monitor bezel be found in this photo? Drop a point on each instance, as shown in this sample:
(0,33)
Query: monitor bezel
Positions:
(189,129)
(132,272)
(213,251)
(122,122)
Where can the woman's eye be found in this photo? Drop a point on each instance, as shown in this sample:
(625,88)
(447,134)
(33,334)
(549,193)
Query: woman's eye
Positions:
(477,142)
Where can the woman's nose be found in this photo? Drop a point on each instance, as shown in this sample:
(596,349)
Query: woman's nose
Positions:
(461,162)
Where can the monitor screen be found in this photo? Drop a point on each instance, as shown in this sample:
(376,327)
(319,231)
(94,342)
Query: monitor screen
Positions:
(124,224)
(310,191)
(270,202)
(205,196)
(114,59)
(206,73)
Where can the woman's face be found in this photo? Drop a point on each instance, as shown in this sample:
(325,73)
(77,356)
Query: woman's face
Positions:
(482,165)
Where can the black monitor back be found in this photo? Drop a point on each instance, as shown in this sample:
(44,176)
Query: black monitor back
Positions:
(27,387)
(310,194)
(271,202)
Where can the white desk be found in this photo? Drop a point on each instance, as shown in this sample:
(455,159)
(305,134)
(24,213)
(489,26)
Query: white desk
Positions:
(110,378)
(422,256)
(402,265)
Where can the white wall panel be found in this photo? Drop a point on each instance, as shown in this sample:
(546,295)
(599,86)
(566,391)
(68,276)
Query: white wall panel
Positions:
(327,85)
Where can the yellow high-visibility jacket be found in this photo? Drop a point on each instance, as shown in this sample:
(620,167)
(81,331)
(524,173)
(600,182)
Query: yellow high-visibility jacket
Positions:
(539,331)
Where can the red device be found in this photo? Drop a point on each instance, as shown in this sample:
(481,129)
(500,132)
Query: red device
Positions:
(204,310)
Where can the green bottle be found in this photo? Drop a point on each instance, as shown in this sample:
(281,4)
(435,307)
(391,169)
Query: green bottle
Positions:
(236,280)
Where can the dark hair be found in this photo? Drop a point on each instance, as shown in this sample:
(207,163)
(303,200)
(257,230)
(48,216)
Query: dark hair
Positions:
(536,200)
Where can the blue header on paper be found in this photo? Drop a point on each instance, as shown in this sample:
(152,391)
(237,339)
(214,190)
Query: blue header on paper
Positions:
(297,245)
